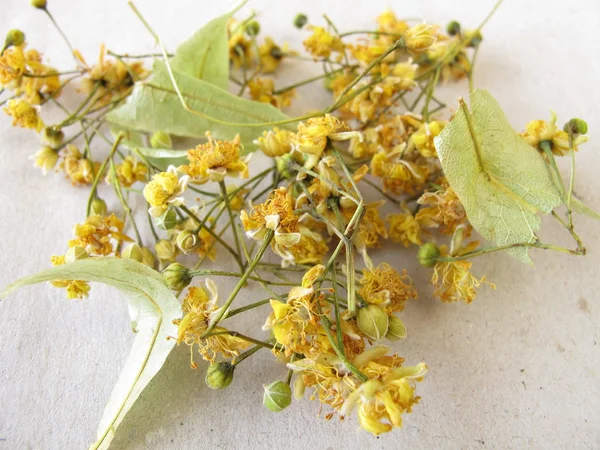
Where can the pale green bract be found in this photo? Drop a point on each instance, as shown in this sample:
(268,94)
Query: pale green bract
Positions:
(154,106)
(581,208)
(501,181)
(152,308)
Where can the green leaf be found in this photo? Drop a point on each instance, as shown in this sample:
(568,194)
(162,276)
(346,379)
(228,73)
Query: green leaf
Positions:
(154,106)
(206,54)
(152,308)
(579,207)
(163,158)
(501,181)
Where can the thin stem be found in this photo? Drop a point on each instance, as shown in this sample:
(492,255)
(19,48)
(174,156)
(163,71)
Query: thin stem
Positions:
(243,279)
(202,223)
(64,36)
(246,354)
(241,336)
(236,236)
(236,311)
(126,207)
(483,251)
(224,273)
(99,174)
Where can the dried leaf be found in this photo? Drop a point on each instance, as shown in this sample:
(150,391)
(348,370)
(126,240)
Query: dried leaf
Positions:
(501,181)
(152,308)
(155,106)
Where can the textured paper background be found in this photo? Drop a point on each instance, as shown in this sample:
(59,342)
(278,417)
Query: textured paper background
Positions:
(519,368)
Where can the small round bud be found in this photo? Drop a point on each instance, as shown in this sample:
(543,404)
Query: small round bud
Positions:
(39,4)
(284,165)
(474,37)
(98,207)
(453,28)
(160,139)
(253,28)
(187,241)
(396,329)
(75,254)
(13,37)
(300,20)
(165,250)
(372,321)
(177,276)
(53,136)
(277,396)
(167,220)
(219,375)
(132,251)
(576,126)
(428,254)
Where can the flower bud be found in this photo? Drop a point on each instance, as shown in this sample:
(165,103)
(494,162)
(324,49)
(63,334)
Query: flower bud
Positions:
(576,126)
(300,20)
(428,254)
(453,28)
(98,207)
(187,241)
(396,329)
(372,321)
(75,254)
(160,139)
(132,251)
(474,37)
(167,220)
(284,165)
(53,136)
(13,37)
(177,276)
(219,375)
(253,28)
(165,250)
(148,257)
(277,396)
(39,4)
(419,38)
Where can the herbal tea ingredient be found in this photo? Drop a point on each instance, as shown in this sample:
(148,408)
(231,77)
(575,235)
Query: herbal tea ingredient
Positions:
(386,163)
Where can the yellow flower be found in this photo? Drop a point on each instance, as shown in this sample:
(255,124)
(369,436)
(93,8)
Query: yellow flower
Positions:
(77,168)
(386,396)
(389,23)
(386,288)
(277,214)
(75,288)
(296,324)
(443,211)
(112,77)
(96,234)
(313,135)
(311,249)
(201,307)
(240,48)
(215,160)
(452,279)
(424,136)
(371,229)
(262,90)
(270,55)
(129,171)
(405,229)
(24,115)
(12,66)
(539,131)
(275,142)
(398,175)
(45,158)
(321,44)
(419,38)
(164,190)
